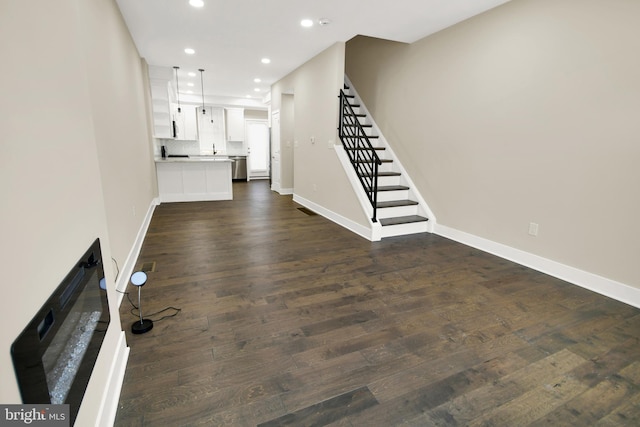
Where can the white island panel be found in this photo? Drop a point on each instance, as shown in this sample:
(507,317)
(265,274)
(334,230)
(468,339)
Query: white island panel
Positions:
(193,180)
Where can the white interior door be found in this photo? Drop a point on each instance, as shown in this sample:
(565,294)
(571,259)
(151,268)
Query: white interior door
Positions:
(275,151)
(257,134)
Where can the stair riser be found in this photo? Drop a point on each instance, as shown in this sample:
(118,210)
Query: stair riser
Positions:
(384,181)
(402,229)
(388,196)
(397,211)
(388,180)
(385,167)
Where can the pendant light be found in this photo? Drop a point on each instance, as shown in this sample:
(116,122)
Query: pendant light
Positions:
(177,88)
(202,87)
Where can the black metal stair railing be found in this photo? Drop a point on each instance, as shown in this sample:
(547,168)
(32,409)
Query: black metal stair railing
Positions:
(361,153)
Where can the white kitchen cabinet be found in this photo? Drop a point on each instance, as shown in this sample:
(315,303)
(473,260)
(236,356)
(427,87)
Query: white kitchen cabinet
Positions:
(161,109)
(186,126)
(235,124)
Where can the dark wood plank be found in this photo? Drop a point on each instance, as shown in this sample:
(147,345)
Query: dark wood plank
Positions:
(328,411)
(289,318)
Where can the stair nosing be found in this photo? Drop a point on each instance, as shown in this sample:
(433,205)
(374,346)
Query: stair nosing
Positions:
(396,204)
(390,188)
(394,220)
(385,174)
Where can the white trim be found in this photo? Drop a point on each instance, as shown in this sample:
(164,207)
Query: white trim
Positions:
(332,216)
(109,406)
(129,264)
(275,186)
(196,197)
(607,287)
(285,191)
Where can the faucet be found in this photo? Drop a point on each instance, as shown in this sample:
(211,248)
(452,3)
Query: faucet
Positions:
(214,149)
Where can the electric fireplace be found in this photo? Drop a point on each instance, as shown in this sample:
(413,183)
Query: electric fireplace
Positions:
(55,354)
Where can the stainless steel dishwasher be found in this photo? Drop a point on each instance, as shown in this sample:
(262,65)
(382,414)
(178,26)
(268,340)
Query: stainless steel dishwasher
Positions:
(239,168)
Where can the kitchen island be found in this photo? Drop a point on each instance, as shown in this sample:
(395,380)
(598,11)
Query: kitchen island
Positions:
(194,178)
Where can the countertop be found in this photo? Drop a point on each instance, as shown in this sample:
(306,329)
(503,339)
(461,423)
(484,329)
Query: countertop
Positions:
(194,158)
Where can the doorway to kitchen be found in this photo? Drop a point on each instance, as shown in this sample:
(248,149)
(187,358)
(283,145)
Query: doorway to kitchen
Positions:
(257,132)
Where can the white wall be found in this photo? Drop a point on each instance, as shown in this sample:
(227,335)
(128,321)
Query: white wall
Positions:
(118,86)
(70,153)
(526,113)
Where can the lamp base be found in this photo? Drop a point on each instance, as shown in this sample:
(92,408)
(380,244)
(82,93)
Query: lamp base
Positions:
(140,327)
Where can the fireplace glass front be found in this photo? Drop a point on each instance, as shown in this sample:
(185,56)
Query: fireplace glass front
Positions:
(55,354)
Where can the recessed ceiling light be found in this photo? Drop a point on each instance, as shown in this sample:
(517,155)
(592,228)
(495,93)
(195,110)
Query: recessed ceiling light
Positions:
(191,74)
(189,51)
(196,3)
(265,60)
(248,96)
(256,90)
(257,80)
(306,23)
(190,84)
(323,21)
(189,91)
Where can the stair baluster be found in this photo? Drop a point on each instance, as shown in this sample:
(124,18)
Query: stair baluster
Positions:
(361,152)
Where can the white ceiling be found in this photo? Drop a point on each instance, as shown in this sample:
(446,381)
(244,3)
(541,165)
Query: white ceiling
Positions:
(231,36)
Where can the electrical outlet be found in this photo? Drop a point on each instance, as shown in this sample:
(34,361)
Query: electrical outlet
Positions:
(313,139)
(533,229)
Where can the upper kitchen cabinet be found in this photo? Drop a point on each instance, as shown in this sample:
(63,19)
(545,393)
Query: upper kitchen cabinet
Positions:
(162,126)
(234,123)
(185,126)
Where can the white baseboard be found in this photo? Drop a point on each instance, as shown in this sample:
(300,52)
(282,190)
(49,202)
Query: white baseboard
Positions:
(109,409)
(275,186)
(607,287)
(127,268)
(359,229)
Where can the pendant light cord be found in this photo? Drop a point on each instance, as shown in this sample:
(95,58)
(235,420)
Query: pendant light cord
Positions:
(202,86)
(177,89)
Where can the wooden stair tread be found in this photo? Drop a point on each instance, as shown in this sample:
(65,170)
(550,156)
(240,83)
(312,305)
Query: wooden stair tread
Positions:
(391,188)
(364,149)
(396,203)
(402,220)
(368,161)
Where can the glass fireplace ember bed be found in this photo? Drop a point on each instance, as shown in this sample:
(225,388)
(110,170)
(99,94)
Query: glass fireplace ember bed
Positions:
(56,352)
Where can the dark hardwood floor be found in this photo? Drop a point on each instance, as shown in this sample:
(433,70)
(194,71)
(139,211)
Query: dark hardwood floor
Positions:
(289,319)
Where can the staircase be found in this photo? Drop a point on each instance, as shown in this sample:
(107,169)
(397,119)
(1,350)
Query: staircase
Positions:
(393,201)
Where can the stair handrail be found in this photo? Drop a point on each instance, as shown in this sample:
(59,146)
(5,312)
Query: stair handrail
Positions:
(362,155)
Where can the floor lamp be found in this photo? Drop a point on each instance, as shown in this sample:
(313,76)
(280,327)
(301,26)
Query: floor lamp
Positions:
(139,278)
